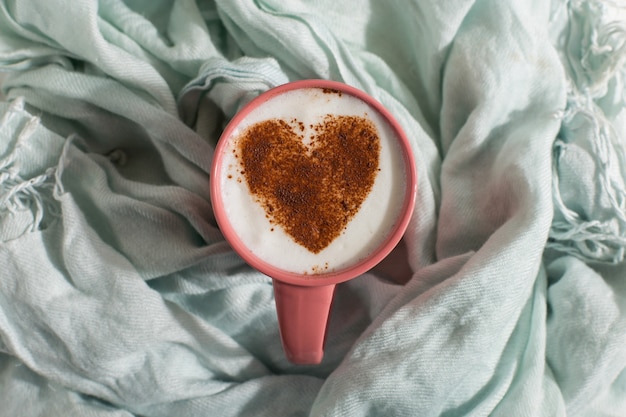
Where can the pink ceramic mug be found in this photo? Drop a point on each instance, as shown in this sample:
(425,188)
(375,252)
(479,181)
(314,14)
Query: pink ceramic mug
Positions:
(303,300)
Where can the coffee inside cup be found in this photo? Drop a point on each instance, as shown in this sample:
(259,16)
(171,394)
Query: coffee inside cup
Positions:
(312,180)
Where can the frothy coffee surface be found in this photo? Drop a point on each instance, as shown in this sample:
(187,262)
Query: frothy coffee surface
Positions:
(312,181)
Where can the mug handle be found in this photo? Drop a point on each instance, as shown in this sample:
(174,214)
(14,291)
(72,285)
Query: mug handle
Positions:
(302,320)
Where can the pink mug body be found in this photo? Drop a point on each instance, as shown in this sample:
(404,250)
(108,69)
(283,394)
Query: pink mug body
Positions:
(303,301)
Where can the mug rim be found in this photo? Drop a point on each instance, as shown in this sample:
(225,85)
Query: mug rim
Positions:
(329,277)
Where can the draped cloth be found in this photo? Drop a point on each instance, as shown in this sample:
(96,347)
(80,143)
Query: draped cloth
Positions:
(120,297)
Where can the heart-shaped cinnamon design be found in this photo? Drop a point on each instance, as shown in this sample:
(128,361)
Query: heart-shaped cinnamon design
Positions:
(311,186)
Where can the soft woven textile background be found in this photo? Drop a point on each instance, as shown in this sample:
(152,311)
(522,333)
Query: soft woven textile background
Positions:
(119,296)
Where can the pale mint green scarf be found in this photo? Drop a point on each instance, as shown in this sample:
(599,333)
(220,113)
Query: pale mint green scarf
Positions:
(119,296)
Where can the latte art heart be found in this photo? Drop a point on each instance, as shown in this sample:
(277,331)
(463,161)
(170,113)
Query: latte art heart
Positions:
(311,185)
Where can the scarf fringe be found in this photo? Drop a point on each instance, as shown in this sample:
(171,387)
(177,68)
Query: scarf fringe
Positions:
(36,194)
(597,68)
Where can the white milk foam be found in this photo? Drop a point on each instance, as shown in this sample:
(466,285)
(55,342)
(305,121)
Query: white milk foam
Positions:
(367,230)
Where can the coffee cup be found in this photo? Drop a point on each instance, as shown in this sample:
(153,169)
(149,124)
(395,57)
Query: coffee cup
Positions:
(313,183)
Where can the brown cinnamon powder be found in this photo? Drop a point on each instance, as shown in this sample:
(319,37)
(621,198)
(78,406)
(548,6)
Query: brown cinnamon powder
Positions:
(311,191)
